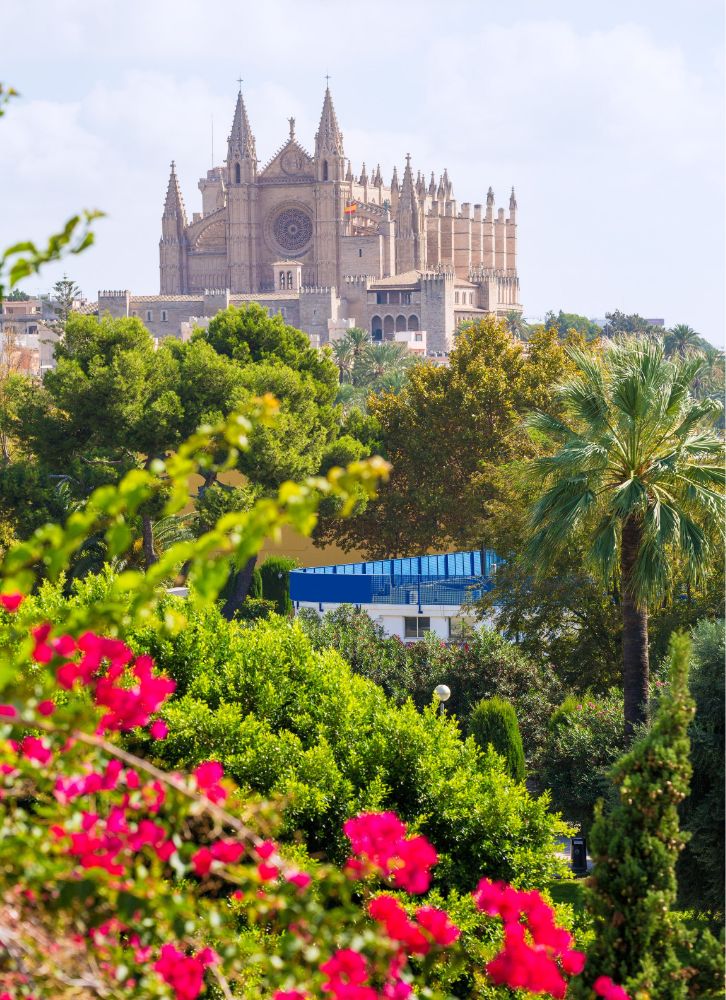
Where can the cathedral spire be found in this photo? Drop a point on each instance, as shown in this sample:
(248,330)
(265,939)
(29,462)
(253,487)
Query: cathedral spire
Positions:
(329,138)
(174,203)
(394,180)
(432,186)
(407,205)
(363,174)
(512,200)
(241,143)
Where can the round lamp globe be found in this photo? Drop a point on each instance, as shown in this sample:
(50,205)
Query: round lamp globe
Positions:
(442,692)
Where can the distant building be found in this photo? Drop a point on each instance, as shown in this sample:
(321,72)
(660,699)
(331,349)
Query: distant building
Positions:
(27,342)
(307,239)
(407,597)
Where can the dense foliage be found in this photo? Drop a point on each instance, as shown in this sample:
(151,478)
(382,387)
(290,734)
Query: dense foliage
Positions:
(701,874)
(635,846)
(585,739)
(475,404)
(275,582)
(483,667)
(493,722)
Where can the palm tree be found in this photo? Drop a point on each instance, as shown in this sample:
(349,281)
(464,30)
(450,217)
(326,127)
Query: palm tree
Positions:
(639,471)
(344,357)
(383,363)
(516,325)
(681,339)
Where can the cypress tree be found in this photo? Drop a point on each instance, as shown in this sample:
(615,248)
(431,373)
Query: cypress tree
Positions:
(635,847)
(275,575)
(494,722)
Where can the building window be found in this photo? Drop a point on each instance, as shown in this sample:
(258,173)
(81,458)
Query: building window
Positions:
(418,337)
(237,174)
(400,323)
(325,170)
(32,329)
(405,298)
(460,628)
(456,298)
(381,299)
(416,628)
(471,298)
(413,322)
(360,252)
(282,279)
(149,315)
(389,326)
(289,279)
(164,316)
(376,328)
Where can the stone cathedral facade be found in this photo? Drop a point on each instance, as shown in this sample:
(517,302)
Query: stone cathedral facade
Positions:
(305,237)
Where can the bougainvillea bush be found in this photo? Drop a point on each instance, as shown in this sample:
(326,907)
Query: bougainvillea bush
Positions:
(121,879)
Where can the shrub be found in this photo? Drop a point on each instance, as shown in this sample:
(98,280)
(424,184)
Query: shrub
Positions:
(485,667)
(255,590)
(638,939)
(584,739)
(701,865)
(494,723)
(286,719)
(275,578)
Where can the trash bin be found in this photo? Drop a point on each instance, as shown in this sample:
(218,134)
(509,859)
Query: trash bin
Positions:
(578,855)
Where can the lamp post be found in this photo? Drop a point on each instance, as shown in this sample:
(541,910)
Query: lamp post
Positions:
(442,693)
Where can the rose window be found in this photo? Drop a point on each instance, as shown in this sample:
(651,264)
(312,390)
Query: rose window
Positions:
(292,229)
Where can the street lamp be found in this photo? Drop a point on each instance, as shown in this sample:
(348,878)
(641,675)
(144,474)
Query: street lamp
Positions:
(442,693)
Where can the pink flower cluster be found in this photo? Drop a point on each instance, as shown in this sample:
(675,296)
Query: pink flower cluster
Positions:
(184,973)
(536,952)
(108,842)
(347,977)
(605,987)
(379,840)
(433,928)
(100,663)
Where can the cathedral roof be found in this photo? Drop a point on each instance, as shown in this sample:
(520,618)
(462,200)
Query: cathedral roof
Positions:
(329,138)
(406,279)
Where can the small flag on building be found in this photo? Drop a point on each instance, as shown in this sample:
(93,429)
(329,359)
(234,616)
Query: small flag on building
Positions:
(350,208)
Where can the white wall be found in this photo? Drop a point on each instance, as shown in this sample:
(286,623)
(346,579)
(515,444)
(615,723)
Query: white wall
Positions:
(391,616)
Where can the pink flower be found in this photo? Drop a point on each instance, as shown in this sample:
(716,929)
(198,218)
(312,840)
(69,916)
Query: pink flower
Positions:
(36,749)
(345,968)
(227,851)
(380,839)
(8,711)
(284,995)
(208,776)
(437,923)
(184,973)
(46,707)
(202,861)
(301,879)
(605,987)
(11,602)
(159,729)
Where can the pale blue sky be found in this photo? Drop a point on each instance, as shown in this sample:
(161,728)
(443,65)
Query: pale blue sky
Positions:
(608,118)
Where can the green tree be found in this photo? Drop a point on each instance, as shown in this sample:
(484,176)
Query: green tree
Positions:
(701,874)
(493,722)
(619,324)
(639,469)
(516,325)
(382,366)
(681,339)
(472,410)
(637,937)
(18,296)
(65,292)
(115,401)
(275,579)
(565,322)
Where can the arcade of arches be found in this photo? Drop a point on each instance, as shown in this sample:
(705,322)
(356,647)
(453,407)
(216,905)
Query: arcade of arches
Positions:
(384,328)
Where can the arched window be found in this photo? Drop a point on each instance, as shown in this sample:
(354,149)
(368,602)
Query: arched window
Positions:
(413,322)
(325,170)
(376,328)
(289,279)
(400,322)
(237,174)
(282,279)
(388,325)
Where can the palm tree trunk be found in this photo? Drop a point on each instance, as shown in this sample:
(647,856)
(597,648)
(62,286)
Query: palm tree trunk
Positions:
(635,634)
(239,588)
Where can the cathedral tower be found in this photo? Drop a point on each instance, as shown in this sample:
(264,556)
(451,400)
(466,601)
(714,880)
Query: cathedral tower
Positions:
(328,195)
(242,213)
(408,233)
(172,246)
